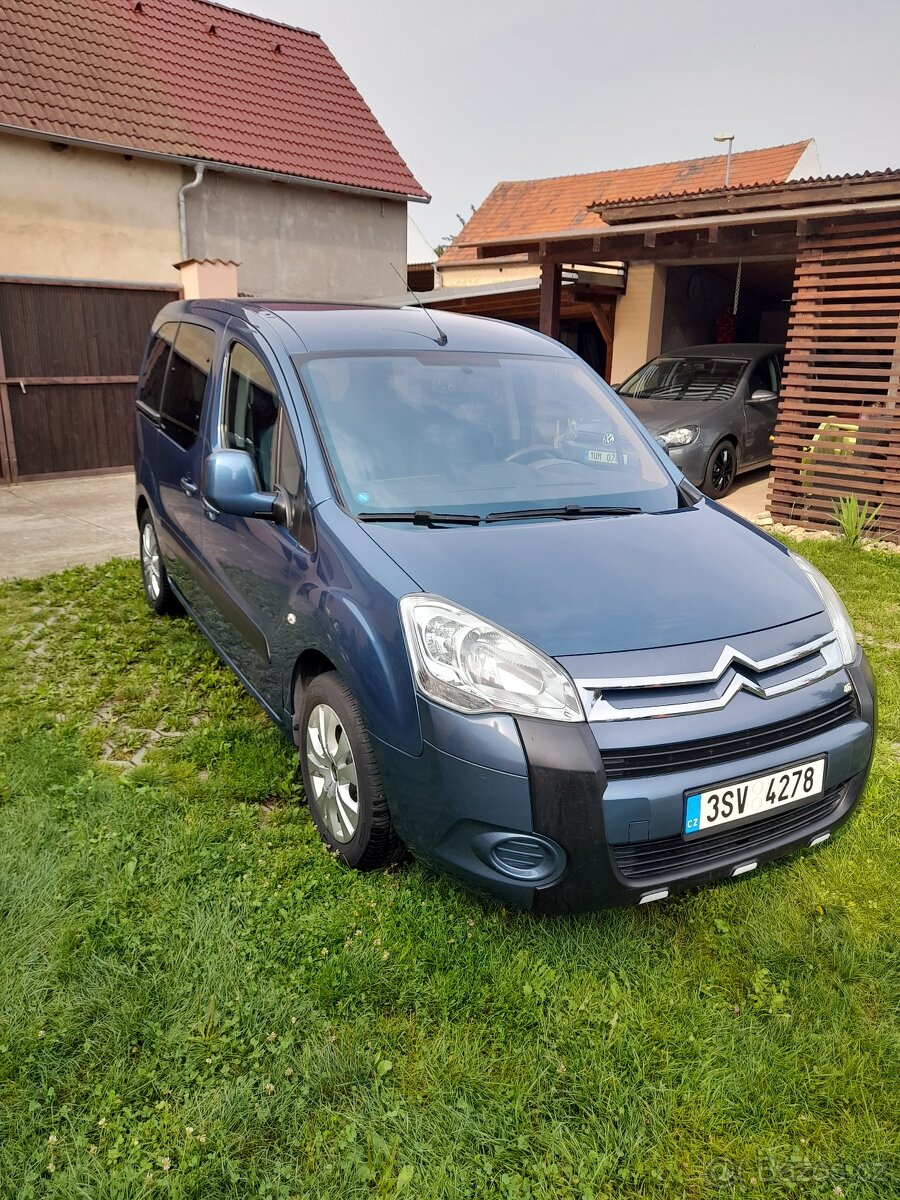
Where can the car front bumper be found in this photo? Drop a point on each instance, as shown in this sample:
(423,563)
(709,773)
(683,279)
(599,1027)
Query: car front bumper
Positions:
(523,809)
(692,460)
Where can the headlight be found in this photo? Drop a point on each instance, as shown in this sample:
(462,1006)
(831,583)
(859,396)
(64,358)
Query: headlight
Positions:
(834,607)
(680,437)
(469,664)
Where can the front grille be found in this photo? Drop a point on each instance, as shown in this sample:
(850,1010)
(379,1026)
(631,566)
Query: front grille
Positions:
(681,756)
(642,862)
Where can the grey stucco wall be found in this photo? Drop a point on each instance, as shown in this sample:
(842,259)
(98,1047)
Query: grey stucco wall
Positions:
(298,242)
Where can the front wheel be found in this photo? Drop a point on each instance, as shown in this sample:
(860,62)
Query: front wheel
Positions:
(721,471)
(157,589)
(341,777)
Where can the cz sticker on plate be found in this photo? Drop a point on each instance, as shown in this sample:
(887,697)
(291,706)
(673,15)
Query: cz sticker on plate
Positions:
(735,801)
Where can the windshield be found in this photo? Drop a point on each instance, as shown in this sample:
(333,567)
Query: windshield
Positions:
(475,433)
(685,379)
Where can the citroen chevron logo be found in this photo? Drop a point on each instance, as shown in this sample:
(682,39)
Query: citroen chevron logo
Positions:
(825,648)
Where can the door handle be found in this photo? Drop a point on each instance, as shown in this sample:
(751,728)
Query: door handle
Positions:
(189,487)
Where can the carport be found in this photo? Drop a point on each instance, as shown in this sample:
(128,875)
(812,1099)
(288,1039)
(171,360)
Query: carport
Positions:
(586,314)
(819,260)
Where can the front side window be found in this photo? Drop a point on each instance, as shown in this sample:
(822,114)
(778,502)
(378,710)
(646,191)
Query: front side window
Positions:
(685,379)
(763,377)
(253,419)
(156,363)
(250,413)
(477,433)
(188,372)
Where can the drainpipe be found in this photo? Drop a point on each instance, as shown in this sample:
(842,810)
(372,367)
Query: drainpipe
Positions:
(199,168)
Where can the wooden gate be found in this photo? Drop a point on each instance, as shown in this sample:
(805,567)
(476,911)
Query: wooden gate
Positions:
(838,430)
(69,358)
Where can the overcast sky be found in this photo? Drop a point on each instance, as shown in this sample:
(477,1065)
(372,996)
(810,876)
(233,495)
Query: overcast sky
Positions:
(475,91)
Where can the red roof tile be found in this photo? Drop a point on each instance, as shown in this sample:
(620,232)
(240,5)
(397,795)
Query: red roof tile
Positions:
(194,80)
(533,208)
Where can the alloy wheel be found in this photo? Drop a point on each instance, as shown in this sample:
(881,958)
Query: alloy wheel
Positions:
(723,470)
(332,772)
(150,564)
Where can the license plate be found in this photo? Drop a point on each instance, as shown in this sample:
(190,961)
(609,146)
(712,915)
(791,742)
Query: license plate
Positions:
(738,800)
(602,456)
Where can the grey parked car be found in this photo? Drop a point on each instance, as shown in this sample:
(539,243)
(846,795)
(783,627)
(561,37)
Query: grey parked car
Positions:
(712,407)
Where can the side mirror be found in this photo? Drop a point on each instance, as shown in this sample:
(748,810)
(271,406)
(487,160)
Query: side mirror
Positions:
(763,396)
(229,483)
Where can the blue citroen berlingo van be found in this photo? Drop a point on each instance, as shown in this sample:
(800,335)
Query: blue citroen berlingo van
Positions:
(501,628)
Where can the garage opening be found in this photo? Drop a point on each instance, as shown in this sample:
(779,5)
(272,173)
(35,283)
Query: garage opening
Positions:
(701,300)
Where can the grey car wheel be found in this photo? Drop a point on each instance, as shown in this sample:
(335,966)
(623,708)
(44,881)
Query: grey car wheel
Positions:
(157,590)
(332,773)
(720,471)
(341,777)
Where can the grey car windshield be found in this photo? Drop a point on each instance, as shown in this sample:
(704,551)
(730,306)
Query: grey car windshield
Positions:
(685,379)
(477,433)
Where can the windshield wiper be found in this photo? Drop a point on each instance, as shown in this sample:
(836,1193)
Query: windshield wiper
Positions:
(567,513)
(422,516)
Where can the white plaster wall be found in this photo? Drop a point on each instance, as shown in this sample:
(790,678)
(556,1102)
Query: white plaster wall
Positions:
(483,273)
(637,335)
(299,242)
(808,165)
(83,214)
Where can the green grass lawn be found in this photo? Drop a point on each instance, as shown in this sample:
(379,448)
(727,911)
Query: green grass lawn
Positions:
(196,1000)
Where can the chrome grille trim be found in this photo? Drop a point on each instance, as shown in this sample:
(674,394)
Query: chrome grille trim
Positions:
(600,709)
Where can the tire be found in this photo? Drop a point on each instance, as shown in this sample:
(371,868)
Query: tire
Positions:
(341,777)
(157,589)
(721,471)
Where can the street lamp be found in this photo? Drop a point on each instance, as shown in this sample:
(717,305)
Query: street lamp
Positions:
(729,138)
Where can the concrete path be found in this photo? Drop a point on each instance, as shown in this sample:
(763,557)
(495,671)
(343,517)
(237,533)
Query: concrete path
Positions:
(48,525)
(52,524)
(748,496)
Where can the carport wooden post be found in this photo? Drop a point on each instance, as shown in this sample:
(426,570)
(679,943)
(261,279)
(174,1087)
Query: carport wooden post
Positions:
(551,298)
(8,465)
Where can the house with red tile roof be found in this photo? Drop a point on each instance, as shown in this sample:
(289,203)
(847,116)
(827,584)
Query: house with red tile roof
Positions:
(136,134)
(616,315)
(562,206)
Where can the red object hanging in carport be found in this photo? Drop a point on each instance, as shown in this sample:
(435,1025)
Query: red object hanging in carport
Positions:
(726,328)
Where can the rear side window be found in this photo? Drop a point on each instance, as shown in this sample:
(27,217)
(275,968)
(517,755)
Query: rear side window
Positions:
(155,365)
(186,383)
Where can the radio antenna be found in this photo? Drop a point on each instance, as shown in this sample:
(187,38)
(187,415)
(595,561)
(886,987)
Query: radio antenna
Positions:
(441,338)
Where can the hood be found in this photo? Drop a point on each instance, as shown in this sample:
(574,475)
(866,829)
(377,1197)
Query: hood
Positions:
(659,416)
(610,583)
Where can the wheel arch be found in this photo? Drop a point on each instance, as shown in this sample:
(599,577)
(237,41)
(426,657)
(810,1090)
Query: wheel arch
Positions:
(375,668)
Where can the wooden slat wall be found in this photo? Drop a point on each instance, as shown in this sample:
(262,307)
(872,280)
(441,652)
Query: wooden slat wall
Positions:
(843,366)
(57,332)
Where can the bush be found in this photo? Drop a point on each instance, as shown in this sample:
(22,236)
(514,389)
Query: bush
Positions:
(854,520)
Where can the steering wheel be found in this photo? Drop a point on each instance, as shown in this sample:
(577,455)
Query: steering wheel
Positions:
(534,453)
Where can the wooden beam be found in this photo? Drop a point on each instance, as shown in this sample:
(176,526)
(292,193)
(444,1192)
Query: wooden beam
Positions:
(601,320)
(24,381)
(551,289)
(8,463)
(563,249)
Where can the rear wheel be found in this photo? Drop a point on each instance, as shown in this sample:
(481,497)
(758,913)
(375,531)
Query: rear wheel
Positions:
(721,471)
(341,777)
(157,589)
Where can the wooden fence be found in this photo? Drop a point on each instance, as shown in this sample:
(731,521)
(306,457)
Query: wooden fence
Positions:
(69,359)
(838,430)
